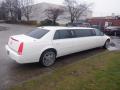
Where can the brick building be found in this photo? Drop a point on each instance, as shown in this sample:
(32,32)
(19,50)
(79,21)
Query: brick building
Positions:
(105,21)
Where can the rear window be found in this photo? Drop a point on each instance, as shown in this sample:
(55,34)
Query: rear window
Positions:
(38,33)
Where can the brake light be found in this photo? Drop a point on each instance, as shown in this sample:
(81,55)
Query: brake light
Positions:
(20,49)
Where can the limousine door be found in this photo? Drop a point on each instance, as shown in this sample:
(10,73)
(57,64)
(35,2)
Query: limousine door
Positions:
(100,40)
(85,39)
(62,42)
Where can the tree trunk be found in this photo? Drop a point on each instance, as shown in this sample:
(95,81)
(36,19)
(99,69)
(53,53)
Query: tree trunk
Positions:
(54,22)
(72,20)
(28,18)
(19,15)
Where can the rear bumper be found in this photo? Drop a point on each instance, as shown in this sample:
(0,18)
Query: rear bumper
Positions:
(13,55)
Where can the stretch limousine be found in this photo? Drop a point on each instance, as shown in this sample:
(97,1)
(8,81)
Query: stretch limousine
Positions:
(45,44)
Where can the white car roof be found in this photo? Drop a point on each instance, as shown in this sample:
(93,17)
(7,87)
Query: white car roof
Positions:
(62,28)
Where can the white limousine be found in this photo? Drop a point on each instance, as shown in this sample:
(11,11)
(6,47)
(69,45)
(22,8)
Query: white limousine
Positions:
(45,44)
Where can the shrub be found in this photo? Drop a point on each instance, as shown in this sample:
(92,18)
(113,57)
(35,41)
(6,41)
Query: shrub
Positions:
(32,22)
(47,22)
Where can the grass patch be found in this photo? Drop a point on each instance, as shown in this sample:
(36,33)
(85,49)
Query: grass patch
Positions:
(99,72)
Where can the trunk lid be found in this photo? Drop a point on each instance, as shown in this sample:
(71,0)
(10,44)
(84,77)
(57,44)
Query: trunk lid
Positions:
(15,41)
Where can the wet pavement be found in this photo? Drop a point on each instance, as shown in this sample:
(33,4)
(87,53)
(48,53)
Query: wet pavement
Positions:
(12,73)
(115,44)
(7,66)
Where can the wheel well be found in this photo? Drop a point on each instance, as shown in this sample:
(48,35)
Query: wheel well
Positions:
(52,49)
(105,42)
(108,40)
(49,49)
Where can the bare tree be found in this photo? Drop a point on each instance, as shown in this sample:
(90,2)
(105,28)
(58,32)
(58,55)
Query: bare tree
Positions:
(81,11)
(22,8)
(17,9)
(13,9)
(3,11)
(9,7)
(76,9)
(27,8)
(53,14)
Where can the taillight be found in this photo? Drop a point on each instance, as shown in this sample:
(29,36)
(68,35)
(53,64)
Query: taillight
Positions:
(20,49)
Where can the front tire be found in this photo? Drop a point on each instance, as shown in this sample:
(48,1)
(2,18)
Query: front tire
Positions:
(107,44)
(48,58)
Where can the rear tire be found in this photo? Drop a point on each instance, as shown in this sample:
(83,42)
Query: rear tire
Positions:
(107,44)
(48,58)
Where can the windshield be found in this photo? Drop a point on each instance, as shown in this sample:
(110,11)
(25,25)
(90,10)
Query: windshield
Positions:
(37,33)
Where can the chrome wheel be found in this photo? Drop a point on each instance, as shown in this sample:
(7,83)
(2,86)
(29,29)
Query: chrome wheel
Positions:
(48,58)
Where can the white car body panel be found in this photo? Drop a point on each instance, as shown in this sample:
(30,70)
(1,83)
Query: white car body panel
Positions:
(33,48)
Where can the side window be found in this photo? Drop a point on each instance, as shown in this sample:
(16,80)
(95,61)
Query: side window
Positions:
(98,32)
(57,35)
(63,34)
(84,32)
(93,32)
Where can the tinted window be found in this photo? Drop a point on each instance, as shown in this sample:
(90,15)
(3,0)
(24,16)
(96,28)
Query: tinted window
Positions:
(38,33)
(62,34)
(99,33)
(93,32)
(57,35)
(84,33)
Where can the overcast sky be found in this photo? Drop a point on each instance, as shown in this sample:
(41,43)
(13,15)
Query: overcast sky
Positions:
(99,8)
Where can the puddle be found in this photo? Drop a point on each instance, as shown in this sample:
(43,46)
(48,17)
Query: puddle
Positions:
(115,44)
(113,48)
